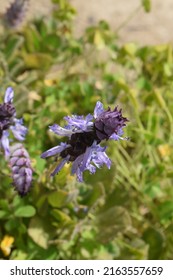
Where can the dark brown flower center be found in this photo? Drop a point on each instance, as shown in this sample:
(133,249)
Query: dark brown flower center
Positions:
(79,142)
(7,111)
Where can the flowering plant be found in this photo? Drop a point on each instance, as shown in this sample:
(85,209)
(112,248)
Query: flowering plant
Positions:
(84,137)
(16,154)
(9,122)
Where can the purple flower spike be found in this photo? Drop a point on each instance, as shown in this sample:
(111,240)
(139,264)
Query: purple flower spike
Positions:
(84,136)
(21,169)
(16,13)
(9,122)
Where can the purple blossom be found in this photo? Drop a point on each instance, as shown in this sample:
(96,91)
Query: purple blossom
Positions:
(84,137)
(9,122)
(108,123)
(20,165)
(16,13)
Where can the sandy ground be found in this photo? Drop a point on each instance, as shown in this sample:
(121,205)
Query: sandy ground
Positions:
(155,27)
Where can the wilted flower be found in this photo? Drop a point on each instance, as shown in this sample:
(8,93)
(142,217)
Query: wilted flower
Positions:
(20,165)
(16,13)
(84,136)
(9,122)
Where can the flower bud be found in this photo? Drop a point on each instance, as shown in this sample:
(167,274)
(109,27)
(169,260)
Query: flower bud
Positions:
(21,169)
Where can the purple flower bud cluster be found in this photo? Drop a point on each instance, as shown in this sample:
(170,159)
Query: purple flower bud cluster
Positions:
(16,13)
(20,165)
(84,137)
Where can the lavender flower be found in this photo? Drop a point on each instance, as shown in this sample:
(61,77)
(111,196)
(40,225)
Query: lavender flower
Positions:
(16,12)
(84,137)
(21,169)
(9,122)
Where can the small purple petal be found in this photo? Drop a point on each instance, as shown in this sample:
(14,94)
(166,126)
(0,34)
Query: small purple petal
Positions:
(21,161)
(79,175)
(9,94)
(28,172)
(86,158)
(55,150)
(60,130)
(89,118)
(5,143)
(13,160)
(79,123)
(101,159)
(91,168)
(76,164)
(98,109)
(60,166)
(15,169)
(19,152)
(19,131)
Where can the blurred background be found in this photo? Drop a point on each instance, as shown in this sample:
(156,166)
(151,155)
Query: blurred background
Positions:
(143,28)
(61,57)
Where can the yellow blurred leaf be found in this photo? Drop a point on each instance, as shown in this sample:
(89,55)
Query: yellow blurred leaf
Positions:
(37,60)
(130,48)
(164,150)
(38,233)
(99,40)
(6,245)
(49,82)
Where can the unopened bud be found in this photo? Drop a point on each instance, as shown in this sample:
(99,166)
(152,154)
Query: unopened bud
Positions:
(21,169)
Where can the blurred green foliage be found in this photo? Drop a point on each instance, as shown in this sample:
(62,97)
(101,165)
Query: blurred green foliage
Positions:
(122,213)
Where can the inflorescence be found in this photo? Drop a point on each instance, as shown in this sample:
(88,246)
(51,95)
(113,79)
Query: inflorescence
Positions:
(84,137)
(9,122)
(16,13)
(20,165)
(12,128)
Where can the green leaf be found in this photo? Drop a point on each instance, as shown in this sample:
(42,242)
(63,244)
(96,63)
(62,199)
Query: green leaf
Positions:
(143,83)
(167,69)
(4,204)
(25,211)
(147,5)
(112,221)
(165,210)
(3,214)
(38,232)
(130,49)
(153,190)
(13,46)
(135,249)
(17,202)
(60,198)
(93,195)
(155,240)
(12,224)
(40,164)
(99,39)
(32,39)
(37,60)
(50,100)
(52,41)
(61,216)
(18,255)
